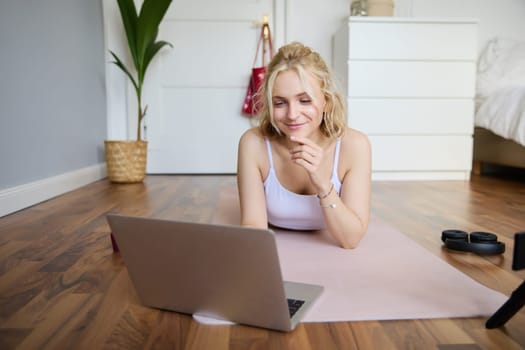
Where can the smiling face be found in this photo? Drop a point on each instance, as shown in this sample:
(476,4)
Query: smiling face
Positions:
(297,106)
(304,71)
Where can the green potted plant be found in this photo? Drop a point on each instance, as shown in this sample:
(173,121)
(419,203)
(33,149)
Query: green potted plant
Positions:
(126,160)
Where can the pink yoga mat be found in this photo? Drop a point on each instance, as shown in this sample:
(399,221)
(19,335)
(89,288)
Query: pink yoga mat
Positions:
(387,277)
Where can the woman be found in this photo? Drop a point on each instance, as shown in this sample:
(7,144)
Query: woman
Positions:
(302,168)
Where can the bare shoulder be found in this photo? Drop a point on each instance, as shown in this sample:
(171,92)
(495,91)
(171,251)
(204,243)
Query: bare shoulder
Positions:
(252,135)
(251,141)
(355,141)
(355,150)
(252,148)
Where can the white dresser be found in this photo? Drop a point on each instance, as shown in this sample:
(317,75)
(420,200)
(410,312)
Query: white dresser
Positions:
(410,86)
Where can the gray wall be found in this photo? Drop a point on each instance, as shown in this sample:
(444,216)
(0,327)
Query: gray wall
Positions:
(52,92)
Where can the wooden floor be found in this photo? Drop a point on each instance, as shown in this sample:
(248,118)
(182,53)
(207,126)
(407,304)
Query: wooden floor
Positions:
(61,286)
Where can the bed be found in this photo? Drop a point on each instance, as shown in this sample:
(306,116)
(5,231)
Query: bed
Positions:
(499,133)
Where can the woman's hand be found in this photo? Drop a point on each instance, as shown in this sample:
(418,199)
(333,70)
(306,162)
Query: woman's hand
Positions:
(310,156)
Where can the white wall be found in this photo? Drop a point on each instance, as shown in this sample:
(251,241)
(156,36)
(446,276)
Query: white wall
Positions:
(504,18)
(53,101)
(313,22)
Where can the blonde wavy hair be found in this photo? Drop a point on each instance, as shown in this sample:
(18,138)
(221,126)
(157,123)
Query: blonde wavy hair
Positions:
(301,59)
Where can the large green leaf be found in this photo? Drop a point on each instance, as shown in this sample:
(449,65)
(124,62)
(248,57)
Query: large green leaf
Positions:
(151,14)
(151,51)
(118,62)
(130,21)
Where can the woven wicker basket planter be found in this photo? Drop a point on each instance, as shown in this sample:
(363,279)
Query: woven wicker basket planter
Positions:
(126,160)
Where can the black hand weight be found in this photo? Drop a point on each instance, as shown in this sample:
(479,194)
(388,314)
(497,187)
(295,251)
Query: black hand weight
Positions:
(475,242)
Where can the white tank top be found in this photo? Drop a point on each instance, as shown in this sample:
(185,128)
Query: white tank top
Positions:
(294,211)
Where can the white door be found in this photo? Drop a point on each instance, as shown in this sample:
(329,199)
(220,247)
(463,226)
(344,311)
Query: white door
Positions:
(194,91)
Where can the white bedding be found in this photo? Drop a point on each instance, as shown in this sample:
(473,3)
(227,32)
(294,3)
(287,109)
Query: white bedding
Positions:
(503,113)
(500,89)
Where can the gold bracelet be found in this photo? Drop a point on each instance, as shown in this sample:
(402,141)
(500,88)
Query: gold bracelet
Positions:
(326,195)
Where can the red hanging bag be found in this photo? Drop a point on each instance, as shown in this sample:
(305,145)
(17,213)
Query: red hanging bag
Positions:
(251,103)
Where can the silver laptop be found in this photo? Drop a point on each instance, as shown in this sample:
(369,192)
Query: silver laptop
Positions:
(219,271)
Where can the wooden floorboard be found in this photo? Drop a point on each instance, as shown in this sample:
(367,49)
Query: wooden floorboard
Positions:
(62,287)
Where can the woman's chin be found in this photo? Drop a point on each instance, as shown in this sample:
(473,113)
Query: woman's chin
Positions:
(296,131)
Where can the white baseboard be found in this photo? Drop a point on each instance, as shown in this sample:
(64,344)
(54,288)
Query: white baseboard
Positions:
(26,195)
(460,175)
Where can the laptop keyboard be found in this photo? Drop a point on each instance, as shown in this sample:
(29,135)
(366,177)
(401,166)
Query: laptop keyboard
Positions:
(294,305)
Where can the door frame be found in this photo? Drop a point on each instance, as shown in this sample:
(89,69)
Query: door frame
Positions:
(119,120)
